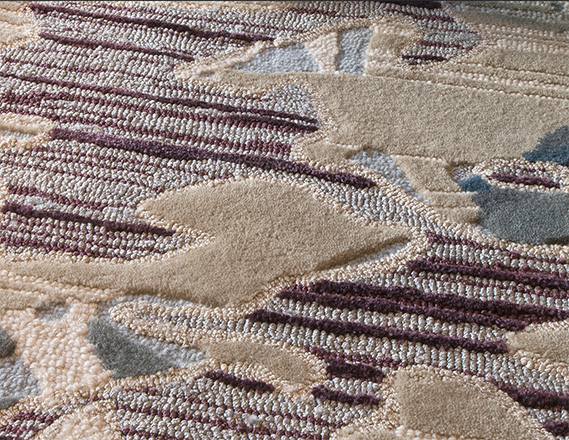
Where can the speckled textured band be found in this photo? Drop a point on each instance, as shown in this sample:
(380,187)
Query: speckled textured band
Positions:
(324,220)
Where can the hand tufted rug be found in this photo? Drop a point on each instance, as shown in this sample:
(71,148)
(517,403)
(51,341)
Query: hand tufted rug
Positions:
(319,220)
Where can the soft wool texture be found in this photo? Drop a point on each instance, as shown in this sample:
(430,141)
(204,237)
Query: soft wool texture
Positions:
(256,220)
(259,231)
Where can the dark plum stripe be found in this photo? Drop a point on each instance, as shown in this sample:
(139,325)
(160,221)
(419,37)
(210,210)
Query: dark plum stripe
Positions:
(15,236)
(416,59)
(419,4)
(557,427)
(494,309)
(383,362)
(443,45)
(237,382)
(151,23)
(525,180)
(321,392)
(159,149)
(28,211)
(77,251)
(250,121)
(20,430)
(498,272)
(253,146)
(163,99)
(392,306)
(26,166)
(44,65)
(458,241)
(532,398)
(58,198)
(353,371)
(153,391)
(207,19)
(223,424)
(92,44)
(376,331)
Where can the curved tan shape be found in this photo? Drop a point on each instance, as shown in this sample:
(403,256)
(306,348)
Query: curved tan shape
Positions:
(550,340)
(450,404)
(261,231)
(451,124)
(281,363)
(17,25)
(19,292)
(21,131)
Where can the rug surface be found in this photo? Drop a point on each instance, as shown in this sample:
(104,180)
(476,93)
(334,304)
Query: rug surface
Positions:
(276,220)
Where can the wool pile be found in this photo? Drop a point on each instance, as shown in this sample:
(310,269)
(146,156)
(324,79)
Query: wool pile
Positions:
(323,220)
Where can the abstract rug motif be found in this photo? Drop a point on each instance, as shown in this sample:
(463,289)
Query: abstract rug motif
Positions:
(251,220)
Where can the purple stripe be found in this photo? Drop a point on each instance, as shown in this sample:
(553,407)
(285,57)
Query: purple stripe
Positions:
(532,398)
(159,12)
(238,382)
(321,392)
(163,99)
(159,149)
(21,430)
(499,272)
(419,4)
(443,45)
(353,371)
(525,180)
(43,239)
(457,241)
(75,68)
(153,391)
(58,198)
(108,162)
(416,59)
(93,44)
(26,166)
(151,23)
(223,424)
(494,309)
(255,146)
(377,331)
(28,211)
(392,306)
(250,121)
(383,362)
(557,427)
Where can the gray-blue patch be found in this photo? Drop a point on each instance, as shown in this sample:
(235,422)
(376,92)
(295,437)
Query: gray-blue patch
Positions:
(17,382)
(123,357)
(553,147)
(523,216)
(292,58)
(7,344)
(474,184)
(353,44)
(384,164)
(175,354)
(559,154)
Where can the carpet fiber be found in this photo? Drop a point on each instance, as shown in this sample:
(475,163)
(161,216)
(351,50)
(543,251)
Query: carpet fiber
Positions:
(341,220)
